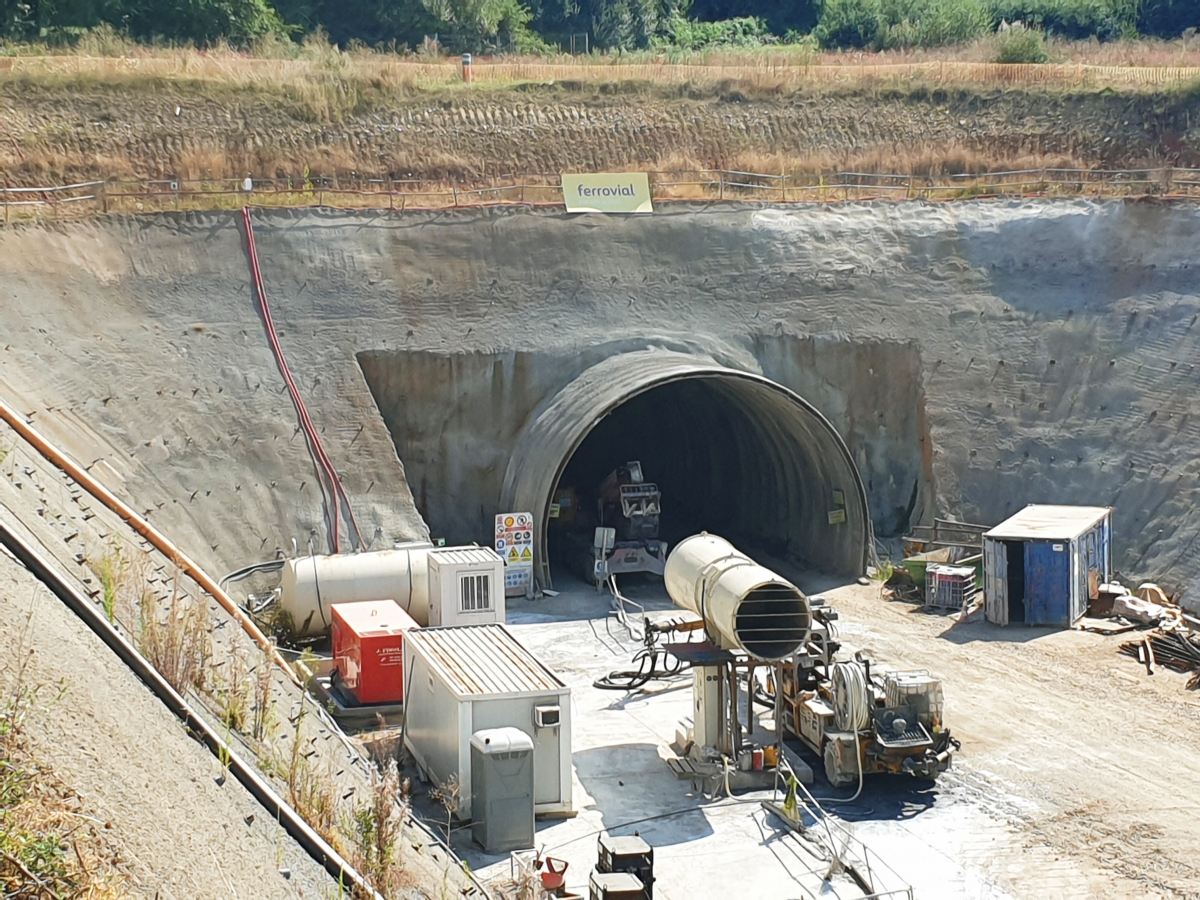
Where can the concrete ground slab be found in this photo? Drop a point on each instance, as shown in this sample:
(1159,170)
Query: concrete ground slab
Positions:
(706,847)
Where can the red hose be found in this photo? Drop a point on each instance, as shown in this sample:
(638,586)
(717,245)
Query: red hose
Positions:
(324,466)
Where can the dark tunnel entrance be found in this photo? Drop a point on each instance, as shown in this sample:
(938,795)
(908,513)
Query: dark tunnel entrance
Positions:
(698,447)
(731,452)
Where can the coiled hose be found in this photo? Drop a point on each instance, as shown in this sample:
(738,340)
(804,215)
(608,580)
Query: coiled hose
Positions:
(851,707)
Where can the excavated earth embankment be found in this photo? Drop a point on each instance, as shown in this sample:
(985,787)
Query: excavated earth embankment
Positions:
(69,130)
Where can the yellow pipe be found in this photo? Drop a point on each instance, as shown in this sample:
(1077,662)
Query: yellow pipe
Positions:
(146,530)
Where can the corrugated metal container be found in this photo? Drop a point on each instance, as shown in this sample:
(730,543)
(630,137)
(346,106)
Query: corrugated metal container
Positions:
(1043,565)
(467,678)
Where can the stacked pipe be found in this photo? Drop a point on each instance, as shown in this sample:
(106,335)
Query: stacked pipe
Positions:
(1173,649)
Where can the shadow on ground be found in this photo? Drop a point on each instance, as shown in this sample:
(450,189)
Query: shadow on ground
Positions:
(630,785)
(970,632)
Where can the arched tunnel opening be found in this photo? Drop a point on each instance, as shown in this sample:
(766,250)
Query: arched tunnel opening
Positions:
(703,451)
(732,453)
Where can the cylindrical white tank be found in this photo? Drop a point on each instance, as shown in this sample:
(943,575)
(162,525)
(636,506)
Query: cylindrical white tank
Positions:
(749,606)
(311,584)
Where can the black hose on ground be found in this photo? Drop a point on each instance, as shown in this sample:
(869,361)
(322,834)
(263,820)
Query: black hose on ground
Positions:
(270,565)
(648,670)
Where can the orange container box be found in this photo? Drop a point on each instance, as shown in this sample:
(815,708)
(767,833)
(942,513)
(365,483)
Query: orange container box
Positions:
(368,649)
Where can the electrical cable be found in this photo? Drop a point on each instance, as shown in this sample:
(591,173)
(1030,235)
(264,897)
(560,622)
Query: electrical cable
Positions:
(667,815)
(271,565)
(321,458)
(324,475)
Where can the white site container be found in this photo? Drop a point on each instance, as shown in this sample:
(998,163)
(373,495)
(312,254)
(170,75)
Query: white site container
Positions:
(465,679)
(466,586)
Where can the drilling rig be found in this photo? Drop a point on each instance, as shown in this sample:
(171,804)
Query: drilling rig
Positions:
(856,718)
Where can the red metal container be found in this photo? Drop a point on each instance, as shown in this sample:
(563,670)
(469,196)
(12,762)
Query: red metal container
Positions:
(368,649)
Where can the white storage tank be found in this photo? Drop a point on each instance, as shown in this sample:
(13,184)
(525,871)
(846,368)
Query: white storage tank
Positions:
(470,678)
(312,584)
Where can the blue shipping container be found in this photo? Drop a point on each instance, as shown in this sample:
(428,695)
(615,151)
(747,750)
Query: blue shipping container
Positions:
(1048,583)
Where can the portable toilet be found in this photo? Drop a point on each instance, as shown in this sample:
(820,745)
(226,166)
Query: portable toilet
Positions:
(1041,566)
(502,789)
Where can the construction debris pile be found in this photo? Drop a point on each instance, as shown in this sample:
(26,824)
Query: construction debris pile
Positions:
(1179,650)
(1174,641)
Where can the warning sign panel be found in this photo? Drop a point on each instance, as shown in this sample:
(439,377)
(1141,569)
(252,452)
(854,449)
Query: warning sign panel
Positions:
(514,542)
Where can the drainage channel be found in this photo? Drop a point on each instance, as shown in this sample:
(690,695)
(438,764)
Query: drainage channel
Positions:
(312,843)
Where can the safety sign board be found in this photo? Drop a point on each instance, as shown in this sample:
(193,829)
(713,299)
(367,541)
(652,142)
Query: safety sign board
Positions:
(514,543)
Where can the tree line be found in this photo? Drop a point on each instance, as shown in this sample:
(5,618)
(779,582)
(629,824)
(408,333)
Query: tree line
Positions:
(536,26)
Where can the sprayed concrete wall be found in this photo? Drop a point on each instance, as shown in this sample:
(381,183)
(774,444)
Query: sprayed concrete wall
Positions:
(991,353)
(456,417)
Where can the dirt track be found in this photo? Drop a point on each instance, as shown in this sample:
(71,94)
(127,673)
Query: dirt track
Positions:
(1088,762)
(61,132)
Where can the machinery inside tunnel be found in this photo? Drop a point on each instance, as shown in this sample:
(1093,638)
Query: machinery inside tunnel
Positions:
(703,451)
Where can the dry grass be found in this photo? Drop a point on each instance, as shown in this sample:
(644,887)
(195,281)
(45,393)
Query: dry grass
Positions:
(173,636)
(48,848)
(315,52)
(376,828)
(329,82)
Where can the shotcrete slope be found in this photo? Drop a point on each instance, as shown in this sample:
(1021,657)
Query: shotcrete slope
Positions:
(1057,346)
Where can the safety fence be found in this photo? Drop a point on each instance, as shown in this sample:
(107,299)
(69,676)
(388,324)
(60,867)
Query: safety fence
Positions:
(780,70)
(119,196)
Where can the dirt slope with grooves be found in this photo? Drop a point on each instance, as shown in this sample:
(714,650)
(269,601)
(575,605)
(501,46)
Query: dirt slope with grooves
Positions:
(64,132)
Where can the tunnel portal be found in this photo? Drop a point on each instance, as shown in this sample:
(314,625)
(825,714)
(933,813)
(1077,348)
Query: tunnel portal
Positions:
(732,453)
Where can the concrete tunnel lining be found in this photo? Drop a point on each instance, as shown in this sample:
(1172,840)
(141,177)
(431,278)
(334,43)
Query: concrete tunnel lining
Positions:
(804,475)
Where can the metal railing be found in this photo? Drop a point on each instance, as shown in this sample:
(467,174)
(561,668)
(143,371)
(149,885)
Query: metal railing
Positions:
(945,533)
(357,191)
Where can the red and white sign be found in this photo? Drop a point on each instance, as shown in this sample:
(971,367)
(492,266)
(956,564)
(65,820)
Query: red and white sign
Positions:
(514,543)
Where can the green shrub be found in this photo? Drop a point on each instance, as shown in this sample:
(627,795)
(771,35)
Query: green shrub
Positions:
(932,23)
(880,24)
(1018,44)
(1168,18)
(849,23)
(1074,19)
(688,35)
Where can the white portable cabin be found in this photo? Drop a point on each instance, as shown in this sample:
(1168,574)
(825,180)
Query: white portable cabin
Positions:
(473,677)
(466,586)
(1041,566)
